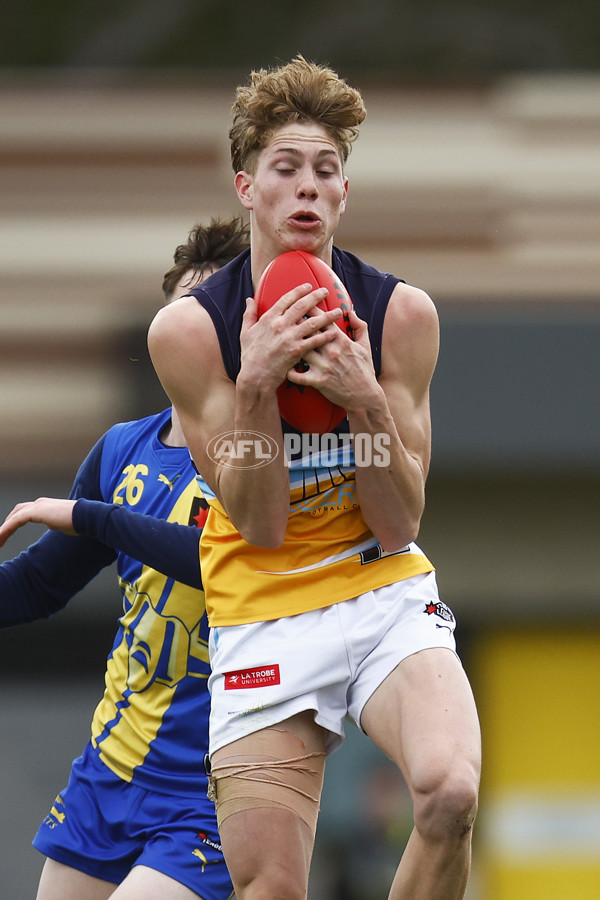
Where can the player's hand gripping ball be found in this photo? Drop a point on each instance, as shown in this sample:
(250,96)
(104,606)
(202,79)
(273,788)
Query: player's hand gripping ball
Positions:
(302,406)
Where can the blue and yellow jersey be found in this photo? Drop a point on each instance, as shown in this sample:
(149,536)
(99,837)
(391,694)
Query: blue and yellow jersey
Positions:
(151,725)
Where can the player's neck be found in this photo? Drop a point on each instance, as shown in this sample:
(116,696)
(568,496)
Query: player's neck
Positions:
(172,435)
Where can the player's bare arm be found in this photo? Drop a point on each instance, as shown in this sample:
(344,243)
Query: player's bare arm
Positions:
(269,346)
(392,497)
(185,351)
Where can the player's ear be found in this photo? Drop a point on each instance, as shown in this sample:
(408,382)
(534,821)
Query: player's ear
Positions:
(345,196)
(244,186)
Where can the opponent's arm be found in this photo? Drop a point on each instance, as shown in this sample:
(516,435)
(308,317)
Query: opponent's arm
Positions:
(168,547)
(42,579)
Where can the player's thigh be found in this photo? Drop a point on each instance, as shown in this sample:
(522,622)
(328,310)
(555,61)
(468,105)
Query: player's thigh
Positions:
(423,716)
(267,821)
(278,860)
(60,882)
(146,883)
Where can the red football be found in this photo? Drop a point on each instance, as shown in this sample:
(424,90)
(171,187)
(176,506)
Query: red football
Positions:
(304,407)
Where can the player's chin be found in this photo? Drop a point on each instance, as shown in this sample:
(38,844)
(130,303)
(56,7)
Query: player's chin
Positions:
(310,239)
(304,243)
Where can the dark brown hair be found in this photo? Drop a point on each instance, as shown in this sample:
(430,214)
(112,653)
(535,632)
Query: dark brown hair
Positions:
(207,247)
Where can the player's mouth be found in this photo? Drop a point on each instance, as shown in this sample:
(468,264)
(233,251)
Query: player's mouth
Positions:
(305,220)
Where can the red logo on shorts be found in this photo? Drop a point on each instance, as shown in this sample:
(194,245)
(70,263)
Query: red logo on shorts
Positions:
(261,676)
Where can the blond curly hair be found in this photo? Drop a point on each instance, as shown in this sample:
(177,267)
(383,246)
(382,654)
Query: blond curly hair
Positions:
(299,91)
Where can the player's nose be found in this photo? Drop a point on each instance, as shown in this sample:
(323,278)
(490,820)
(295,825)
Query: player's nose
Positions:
(307,183)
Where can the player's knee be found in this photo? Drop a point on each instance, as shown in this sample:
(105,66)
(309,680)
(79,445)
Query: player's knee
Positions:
(278,885)
(273,883)
(446,805)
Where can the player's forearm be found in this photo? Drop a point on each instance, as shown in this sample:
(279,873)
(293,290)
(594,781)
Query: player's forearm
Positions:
(390,481)
(167,547)
(253,478)
(393,505)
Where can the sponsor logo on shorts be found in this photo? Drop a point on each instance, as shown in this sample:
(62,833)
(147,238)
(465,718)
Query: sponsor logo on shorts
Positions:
(261,676)
(200,855)
(202,836)
(57,814)
(439,609)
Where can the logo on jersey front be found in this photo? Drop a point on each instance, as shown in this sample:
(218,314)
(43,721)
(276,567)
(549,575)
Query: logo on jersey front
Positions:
(164,480)
(160,647)
(198,512)
(261,676)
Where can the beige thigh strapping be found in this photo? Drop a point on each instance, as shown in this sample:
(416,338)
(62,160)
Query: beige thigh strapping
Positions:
(274,769)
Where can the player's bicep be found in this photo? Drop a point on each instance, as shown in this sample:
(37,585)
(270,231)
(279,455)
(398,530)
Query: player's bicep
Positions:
(174,342)
(185,352)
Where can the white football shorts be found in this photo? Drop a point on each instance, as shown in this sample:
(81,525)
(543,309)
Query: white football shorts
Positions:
(330,660)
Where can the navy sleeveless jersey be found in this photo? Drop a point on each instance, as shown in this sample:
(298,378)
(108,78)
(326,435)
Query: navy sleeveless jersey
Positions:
(224,295)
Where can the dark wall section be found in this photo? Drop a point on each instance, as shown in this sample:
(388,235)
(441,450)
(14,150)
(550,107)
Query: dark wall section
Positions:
(435,39)
(517,390)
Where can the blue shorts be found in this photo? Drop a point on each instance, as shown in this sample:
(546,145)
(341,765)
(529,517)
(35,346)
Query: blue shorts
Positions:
(103,826)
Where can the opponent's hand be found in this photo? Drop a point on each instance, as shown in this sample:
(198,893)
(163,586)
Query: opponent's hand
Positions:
(55,514)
